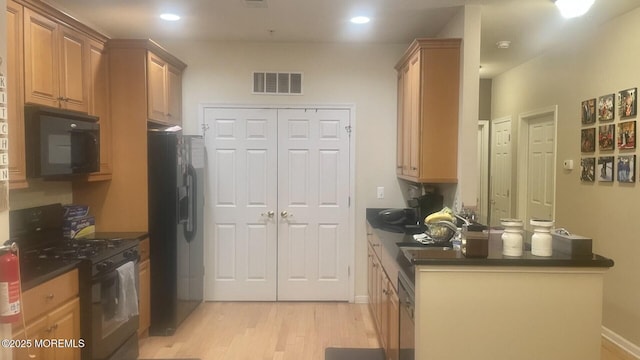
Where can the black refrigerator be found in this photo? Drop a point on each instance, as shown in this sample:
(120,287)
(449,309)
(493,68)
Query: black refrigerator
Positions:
(176,204)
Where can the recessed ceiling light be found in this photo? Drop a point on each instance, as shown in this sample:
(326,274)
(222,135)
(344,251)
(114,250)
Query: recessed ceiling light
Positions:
(360,20)
(169,17)
(573,8)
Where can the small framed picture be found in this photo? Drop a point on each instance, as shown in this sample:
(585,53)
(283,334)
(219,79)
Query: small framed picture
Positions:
(627,168)
(627,103)
(627,135)
(589,111)
(606,104)
(588,169)
(588,140)
(605,168)
(606,136)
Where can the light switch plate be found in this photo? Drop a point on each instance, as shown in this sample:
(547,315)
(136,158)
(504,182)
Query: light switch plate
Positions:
(380,192)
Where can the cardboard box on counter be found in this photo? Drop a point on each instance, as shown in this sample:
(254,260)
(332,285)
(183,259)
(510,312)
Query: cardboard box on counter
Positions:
(573,245)
(79,227)
(75,211)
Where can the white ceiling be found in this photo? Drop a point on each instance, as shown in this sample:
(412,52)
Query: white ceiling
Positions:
(530,25)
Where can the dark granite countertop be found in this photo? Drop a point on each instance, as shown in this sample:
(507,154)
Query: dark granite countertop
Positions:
(393,242)
(420,255)
(33,274)
(133,235)
(44,271)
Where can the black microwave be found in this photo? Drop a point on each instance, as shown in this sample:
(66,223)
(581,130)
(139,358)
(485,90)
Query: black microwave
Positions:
(60,142)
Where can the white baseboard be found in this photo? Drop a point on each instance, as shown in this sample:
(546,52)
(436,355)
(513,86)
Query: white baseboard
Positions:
(621,342)
(361,299)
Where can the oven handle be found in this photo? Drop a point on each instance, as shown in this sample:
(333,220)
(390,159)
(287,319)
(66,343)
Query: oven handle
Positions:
(111,273)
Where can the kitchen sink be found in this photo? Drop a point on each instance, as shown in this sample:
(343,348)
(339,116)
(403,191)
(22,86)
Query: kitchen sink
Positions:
(413,253)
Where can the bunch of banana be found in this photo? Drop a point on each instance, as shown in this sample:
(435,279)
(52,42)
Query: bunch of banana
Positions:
(443,215)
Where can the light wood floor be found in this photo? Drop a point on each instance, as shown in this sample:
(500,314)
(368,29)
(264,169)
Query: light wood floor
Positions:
(255,331)
(277,331)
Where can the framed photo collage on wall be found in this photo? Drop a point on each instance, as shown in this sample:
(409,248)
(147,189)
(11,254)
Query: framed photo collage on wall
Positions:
(608,145)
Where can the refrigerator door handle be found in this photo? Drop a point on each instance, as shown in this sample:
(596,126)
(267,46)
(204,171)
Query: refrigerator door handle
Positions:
(183,205)
(191,224)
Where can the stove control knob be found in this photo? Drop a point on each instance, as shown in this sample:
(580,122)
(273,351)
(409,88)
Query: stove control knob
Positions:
(104,265)
(131,254)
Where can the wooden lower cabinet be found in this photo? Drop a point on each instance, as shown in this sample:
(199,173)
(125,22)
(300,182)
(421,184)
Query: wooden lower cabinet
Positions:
(144,298)
(393,346)
(384,305)
(62,323)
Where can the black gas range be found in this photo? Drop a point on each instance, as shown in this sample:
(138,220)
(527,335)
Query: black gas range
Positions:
(108,277)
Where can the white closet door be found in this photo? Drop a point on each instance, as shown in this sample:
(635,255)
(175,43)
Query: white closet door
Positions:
(313,196)
(242,188)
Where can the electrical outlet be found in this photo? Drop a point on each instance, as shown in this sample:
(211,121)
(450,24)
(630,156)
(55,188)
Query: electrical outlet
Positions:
(567,164)
(380,192)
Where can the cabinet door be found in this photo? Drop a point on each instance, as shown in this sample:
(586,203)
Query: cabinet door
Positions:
(370,280)
(400,126)
(406,119)
(37,330)
(15,96)
(393,346)
(156,88)
(64,323)
(99,104)
(415,94)
(384,308)
(73,69)
(144,297)
(174,95)
(41,68)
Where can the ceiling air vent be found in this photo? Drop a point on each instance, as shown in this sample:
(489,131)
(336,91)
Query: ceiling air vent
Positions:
(256,3)
(277,83)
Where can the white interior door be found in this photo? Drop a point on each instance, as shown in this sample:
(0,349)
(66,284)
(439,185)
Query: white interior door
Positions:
(500,171)
(313,196)
(541,168)
(242,186)
(278,213)
(483,171)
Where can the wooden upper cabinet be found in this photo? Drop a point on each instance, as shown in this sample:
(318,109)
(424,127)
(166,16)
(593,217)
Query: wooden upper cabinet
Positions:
(174,95)
(157,105)
(99,104)
(164,91)
(55,65)
(15,96)
(428,101)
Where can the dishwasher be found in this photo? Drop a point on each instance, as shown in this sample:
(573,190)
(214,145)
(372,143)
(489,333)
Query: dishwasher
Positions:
(406,296)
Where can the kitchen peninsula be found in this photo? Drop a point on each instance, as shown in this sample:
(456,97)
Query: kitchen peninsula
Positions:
(500,307)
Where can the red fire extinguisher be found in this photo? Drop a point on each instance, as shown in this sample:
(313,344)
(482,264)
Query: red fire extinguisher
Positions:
(9,284)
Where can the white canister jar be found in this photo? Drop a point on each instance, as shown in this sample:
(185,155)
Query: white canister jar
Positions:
(512,237)
(541,238)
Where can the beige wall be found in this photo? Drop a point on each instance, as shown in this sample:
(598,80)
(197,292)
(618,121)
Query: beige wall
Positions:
(484,108)
(5,329)
(466,25)
(40,193)
(605,61)
(362,75)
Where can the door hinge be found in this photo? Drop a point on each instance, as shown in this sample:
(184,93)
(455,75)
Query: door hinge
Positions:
(204,127)
(348,128)
(349,271)
(509,137)
(349,201)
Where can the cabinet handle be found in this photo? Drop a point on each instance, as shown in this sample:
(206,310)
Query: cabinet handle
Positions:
(414,168)
(169,114)
(52,328)
(49,297)
(375,245)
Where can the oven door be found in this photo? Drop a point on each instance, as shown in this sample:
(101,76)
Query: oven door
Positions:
(111,325)
(407,325)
